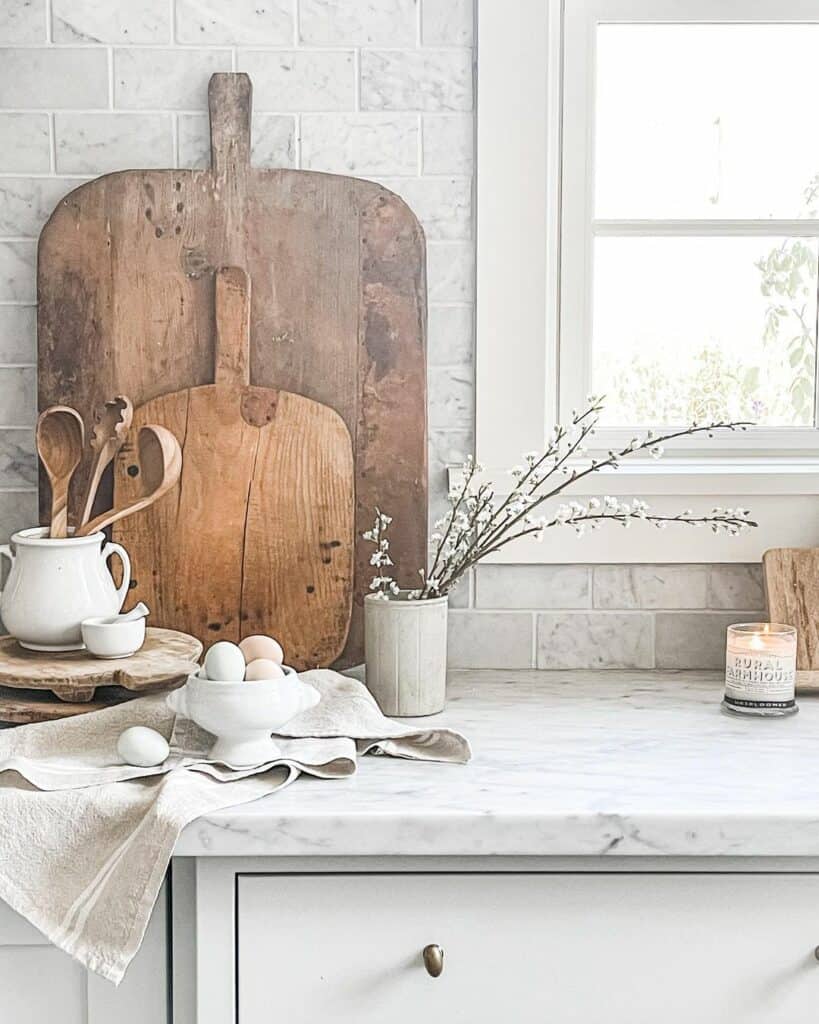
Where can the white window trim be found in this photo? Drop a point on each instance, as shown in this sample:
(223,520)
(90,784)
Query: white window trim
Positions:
(519,149)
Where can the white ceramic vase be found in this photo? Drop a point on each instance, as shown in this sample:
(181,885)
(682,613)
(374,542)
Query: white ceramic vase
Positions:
(405,654)
(55,583)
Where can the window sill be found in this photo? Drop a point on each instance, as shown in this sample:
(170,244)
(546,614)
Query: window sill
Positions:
(682,477)
(781,493)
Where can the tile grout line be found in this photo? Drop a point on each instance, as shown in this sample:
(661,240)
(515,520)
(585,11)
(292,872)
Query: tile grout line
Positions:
(52,142)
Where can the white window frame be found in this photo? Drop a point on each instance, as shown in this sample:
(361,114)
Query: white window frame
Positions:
(528,227)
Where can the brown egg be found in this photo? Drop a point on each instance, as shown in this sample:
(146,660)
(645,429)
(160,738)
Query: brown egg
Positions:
(264,668)
(258,646)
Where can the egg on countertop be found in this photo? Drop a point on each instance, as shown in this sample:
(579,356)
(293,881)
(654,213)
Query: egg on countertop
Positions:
(264,668)
(258,646)
(225,663)
(142,746)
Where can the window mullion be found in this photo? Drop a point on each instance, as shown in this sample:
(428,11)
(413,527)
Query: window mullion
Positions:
(654,228)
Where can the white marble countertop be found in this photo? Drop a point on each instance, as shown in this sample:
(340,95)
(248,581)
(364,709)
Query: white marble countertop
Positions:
(565,764)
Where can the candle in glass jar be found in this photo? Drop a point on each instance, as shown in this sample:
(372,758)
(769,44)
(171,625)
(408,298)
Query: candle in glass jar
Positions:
(760,669)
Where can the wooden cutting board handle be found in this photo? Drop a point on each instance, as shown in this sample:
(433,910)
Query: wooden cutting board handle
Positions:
(230,101)
(232,306)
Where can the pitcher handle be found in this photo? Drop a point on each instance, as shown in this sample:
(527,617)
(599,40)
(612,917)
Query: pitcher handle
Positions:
(118,549)
(5,550)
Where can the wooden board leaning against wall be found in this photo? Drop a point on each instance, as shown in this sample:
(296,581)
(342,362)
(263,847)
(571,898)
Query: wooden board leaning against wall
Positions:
(126,298)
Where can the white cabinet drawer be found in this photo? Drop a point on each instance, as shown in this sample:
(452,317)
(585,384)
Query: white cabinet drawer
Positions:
(585,948)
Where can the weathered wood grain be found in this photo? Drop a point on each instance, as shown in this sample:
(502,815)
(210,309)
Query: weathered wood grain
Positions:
(338,314)
(165,660)
(792,592)
(258,535)
(22,707)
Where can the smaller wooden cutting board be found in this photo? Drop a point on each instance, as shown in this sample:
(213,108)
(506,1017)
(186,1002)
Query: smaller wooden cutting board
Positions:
(258,535)
(792,592)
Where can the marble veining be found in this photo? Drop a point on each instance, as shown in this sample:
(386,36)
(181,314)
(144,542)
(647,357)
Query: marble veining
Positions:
(565,764)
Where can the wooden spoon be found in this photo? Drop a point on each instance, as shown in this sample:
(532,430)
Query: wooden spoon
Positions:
(60,442)
(160,463)
(113,423)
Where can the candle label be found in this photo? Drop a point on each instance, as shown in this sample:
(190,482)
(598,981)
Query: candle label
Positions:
(760,680)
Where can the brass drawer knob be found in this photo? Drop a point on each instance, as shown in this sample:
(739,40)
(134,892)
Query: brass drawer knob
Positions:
(433,960)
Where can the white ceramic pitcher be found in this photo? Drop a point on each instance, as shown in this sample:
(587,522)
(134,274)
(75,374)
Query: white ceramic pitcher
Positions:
(55,583)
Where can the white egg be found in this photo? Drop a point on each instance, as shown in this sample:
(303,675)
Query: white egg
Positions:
(142,746)
(258,646)
(225,662)
(264,668)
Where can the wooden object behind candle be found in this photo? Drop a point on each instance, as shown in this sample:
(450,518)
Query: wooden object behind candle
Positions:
(792,591)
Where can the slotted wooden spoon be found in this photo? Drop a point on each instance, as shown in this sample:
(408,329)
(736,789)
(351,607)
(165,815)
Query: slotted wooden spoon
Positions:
(112,426)
(60,442)
(160,463)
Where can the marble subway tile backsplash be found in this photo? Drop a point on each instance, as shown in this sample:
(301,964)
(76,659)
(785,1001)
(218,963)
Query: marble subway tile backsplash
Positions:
(360,144)
(18,396)
(533,586)
(95,144)
(490,639)
(18,334)
(619,616)
(115,21)
(594,640)
(373,23)
(650,586)
(428,80)
(59,78)
(735,586)
(17,272)
(18,509)
(24,143)
(18,463)
(448,143)
(240,22)
(301,80)
(683,634)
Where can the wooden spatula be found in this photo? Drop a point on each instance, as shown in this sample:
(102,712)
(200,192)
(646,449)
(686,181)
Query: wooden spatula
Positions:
(60,442)
(160,463)
(110,431)
(260,537)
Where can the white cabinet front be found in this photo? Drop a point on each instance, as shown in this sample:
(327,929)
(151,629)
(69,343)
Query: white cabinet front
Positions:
(584,948)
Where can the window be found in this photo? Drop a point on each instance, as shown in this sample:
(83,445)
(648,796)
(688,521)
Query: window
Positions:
(690,240)
(648,229)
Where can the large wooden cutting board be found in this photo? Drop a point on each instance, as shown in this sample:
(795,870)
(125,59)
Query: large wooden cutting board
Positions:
(125,291)
(257,536)
(792,593)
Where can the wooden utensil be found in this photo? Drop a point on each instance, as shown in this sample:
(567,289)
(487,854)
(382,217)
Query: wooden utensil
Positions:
(792,592)
(60,441)
(259,538)
(125,286)
(110,431)
(160,463)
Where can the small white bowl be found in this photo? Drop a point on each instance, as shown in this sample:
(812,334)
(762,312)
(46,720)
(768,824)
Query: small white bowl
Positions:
(107,636)
(243,715)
